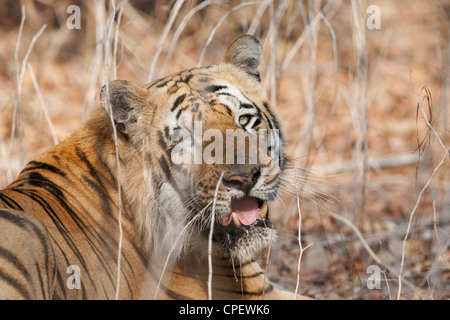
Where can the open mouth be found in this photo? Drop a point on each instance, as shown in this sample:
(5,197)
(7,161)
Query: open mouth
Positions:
(246,214)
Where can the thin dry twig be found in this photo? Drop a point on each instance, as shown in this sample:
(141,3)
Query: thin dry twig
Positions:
(425,116)
(217,26)
(411,216)
(16,109)
(180,28)
(419,198)
(19,78)
(42,104)
(366,246)
(390,161)
(301,249)
(173,14)
(116,145)
(331,6)
(116,38)
(300,245)
(96,62)
(211,230)
(257,17)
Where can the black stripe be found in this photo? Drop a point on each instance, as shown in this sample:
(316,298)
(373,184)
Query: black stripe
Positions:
(177,116)
(268,121)
(30,226)
(59,224)
(36,179)
(214,88)
(247,276)
(257,76)
(177,102)
(41,281)
(275,178)
(272,115)
(34,165)
(83,228)
(229,275)
(16,285)
(102,195)
(167,133)
(91,168)
(62,285)
(161,141)
(89,234)
(164,167)
(205,79)
(7,255)
(188,78)
(257,121)
(22,223)
(164,83)
(250,293)
(246,106)
(10,202)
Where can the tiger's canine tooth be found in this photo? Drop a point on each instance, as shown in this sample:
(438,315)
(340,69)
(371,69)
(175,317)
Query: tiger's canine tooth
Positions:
(263,210)
(236,221)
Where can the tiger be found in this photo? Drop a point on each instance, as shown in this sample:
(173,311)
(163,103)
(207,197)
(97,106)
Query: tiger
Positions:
(109,214)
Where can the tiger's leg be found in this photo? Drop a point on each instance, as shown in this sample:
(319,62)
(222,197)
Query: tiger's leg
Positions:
(242,281)
(251,283)
(27,263)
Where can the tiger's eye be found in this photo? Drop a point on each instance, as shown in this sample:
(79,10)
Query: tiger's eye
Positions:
(243,120)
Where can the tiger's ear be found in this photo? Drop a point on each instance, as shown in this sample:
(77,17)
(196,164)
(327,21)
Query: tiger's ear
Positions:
(126,101)
(245,53)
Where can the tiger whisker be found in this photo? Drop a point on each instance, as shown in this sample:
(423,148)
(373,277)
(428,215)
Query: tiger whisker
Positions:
(319,200)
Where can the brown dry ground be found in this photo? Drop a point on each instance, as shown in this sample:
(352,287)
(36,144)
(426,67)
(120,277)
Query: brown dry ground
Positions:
(358,145)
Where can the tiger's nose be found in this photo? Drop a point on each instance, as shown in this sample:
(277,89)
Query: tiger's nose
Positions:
(245,181)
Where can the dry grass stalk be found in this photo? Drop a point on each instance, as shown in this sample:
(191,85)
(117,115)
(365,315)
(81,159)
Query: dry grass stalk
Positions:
(300,245)
(366,246)
(42,104)
(257,16)
(211,231)
(19,78)
(173,14)
(106,45)
(359,108)
(116,38)
(217,26)
(180,28)
(446,154)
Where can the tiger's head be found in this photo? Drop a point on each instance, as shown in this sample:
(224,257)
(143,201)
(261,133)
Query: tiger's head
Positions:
(211,155)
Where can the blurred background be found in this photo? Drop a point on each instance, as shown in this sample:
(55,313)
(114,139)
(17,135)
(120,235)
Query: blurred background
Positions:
(362,87)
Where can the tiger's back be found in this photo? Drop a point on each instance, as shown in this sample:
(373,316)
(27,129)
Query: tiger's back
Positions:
(64,204)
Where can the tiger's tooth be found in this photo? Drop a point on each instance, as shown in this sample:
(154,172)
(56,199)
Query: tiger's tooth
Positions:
(236,221)
(263,210)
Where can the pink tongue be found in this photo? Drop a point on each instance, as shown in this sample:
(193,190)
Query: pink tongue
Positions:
(246,209)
